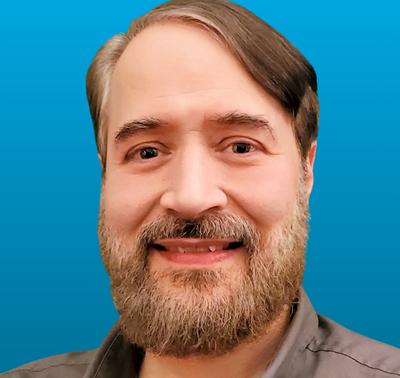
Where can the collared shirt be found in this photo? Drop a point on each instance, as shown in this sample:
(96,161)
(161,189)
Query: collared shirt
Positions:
(313,347)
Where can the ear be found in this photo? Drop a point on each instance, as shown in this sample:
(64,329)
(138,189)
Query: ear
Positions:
(310,166)
(101,161)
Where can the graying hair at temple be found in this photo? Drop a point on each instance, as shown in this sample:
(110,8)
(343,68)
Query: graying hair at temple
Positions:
(268,57)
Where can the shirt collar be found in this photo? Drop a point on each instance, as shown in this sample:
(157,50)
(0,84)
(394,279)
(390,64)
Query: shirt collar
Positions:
(290,360)
(116,357)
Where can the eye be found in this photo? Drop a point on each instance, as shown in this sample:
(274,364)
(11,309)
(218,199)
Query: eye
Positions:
(148,153)
(241,148)
(144,153)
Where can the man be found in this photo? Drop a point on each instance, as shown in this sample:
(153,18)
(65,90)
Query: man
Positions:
(206,122)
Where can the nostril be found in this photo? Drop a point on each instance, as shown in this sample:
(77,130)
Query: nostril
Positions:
(191,198)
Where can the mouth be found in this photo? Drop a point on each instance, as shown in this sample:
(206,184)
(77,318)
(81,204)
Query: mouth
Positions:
(197,253)
(195,245)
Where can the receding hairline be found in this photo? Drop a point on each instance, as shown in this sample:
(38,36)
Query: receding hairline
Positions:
(195,24)
(185,23)
(183,20)
(221,43)
(258,47)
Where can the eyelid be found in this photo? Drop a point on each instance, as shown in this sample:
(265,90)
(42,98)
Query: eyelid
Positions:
(236,140)
(134,151)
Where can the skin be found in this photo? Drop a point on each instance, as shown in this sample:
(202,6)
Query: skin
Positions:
(185,77)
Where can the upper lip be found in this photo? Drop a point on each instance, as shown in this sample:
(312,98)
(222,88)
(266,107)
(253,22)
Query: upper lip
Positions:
(191,244)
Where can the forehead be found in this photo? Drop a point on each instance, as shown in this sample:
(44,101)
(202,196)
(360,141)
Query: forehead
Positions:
(172,55)
(177,70)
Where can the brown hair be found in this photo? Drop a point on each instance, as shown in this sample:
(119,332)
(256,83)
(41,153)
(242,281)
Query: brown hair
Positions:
(269,58)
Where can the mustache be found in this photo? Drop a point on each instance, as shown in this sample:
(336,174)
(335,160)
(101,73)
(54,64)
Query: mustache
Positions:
(209,226)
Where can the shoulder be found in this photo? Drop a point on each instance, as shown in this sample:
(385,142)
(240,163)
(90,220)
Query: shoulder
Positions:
(338,349)
(68,365)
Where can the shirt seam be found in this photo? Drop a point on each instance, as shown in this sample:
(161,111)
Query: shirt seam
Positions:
(105,355)
(352,358)
(39,370)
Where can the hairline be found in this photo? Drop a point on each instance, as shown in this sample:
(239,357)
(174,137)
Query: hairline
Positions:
(198,22)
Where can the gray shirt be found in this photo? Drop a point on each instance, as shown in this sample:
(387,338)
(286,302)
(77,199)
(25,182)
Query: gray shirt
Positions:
(314,347)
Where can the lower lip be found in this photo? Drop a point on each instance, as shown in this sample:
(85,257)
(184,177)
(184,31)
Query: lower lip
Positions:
(198,258)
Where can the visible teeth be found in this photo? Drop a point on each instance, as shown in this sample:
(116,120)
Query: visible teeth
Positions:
(198,249)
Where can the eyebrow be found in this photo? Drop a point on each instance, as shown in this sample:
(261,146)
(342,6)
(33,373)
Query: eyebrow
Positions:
(230,118)
(242,118)
(132,127)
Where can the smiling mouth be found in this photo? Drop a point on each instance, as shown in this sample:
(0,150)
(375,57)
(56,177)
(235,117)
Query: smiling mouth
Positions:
(189,246)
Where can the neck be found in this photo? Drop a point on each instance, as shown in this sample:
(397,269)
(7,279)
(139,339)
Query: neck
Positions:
(248,360)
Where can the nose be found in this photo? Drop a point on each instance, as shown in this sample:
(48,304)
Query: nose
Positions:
(194,184)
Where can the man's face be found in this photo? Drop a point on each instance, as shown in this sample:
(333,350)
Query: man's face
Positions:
(192,138)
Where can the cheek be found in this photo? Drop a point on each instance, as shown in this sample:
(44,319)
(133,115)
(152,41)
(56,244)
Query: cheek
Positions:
(265,195)
(128,201)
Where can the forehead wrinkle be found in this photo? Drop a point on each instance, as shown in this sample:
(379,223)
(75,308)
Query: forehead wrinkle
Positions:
(188,92)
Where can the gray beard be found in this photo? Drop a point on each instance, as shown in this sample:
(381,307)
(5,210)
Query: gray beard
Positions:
(205,311)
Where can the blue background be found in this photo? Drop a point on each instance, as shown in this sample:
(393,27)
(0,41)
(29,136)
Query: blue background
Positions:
(54,292)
